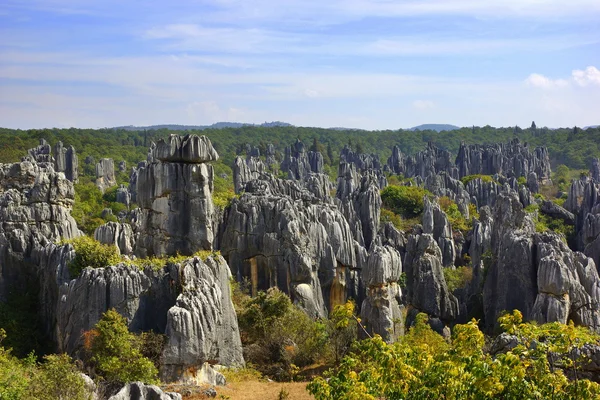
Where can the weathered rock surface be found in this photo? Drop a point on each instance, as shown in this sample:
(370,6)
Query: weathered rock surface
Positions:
(65,160)
(35,206)
(202,325)
(426,287)
(246,170)
(381,312)
(105,174)
(555,211)
(435,222)
(123,196)
(174,193)
(509,159)
(119,234)
(141,391)
(595,170)
(299,163)
(430,161)
(279,234)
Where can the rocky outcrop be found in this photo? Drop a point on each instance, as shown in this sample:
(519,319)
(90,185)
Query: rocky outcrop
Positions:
(381,311)
(595,170)
(536,273)
(65,160)
(118,234)
(141,391)
(133,177)
(299,163)
(270,160)
(509,159)
(123,196)
(435,222)
(555,211)
(246,170)
(202,325)
(105,174)
(426,287)
(278,234)
(35,209)
(174,193)
(122,166)
(428,162)
(443,184)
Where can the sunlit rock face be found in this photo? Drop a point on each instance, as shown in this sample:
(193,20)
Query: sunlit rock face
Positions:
(174,193)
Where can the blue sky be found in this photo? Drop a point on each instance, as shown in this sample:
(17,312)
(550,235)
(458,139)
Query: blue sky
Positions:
(373,64)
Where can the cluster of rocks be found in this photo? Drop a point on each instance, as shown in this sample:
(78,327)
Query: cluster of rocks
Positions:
(512,159)
(64,160)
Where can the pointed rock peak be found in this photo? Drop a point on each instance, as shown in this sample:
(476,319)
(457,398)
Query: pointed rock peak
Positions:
(186,149)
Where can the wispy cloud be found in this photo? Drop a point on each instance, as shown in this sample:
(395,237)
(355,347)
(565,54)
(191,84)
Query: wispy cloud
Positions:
(589,76)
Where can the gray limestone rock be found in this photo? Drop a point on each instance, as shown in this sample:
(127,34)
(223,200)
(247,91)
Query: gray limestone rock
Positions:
(246,170)
(122,166)
(123,196)
(117,234)
(174,193)
(202,325)
(595,170)
(381,312)
(299,163)
(65,160)
(141,391)
(427,290)
(436,222)
(105,174)
(555,211)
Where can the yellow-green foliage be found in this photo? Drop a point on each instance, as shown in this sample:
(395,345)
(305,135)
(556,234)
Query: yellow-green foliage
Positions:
(116,353)
(244,374)
(422,365)
(469,178)
(389,216)
(56,378)
(156,263)
(404,200)
(91,253)
(456,219)
(458,278)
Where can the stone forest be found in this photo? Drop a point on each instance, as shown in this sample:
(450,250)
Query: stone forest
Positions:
(433,274)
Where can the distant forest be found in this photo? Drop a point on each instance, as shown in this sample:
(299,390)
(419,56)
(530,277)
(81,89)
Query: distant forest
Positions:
(573,147)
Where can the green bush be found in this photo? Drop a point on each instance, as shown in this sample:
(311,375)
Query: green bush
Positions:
(469,178)
(458,278)
(116,353)
(404,200)
(58,378)
(14,373)
(91,253)
(422,365)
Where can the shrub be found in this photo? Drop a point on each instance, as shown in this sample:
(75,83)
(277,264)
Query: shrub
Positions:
(58,378)
(422,365)
(404,200)
(116,353)
(14,373)
(388,216)
(484,178)
(91,253)
(521,180)
(458,278)
(455,217)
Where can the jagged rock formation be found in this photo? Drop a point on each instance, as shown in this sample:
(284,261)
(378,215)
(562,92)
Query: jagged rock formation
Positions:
(299,163)
(123,196)
(509,159)
(381,311)
(595,170)
(202,325)
(426,287)
(119,234)
(428,162)
(270,160)
(536,273)
(512,159)
(443,184)
(279,234)
(141,391)
(246,170)
(105,174)
(435,222)
(133,177)
(122,166)
(35,209)
(174,192)
(65,160)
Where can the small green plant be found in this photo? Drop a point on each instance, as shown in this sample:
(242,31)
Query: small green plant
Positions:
(58,378)
(116,353)
(406,201)
(91,253)
(458,278)
(484,178)
(283,394)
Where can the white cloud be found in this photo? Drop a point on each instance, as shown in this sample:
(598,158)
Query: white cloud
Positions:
(423,104)
(587,77)
(541,81)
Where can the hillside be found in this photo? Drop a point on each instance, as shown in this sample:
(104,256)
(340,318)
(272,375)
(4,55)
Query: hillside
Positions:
(435,127)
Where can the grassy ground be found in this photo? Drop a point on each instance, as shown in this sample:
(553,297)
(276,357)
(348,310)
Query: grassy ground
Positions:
(250,390)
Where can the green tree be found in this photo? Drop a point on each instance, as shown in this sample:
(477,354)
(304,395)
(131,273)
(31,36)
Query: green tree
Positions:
(116,353)
(91,253)
(58,379)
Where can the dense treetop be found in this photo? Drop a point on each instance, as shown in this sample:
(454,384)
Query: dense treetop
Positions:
(573,147)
